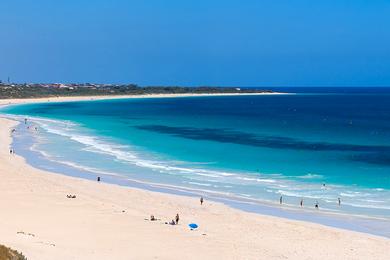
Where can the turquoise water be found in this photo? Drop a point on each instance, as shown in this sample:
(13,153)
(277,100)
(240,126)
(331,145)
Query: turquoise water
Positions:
(256,148)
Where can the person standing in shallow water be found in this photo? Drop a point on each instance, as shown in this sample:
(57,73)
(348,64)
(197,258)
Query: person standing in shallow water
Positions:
(339,201)
(301,203)
(281,200)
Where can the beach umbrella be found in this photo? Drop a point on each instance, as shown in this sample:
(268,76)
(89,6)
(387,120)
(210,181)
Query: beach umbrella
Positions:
(193,226)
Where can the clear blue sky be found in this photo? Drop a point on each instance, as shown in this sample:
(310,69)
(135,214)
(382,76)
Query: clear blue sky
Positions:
(197,42)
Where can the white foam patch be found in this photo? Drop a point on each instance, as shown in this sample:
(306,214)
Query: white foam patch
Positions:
(199,184)
(255,179)
(310,176)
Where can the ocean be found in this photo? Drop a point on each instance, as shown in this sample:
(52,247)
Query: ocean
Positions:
(316,146)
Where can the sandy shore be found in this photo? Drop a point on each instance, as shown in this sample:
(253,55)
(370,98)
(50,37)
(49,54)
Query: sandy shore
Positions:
(107,221)
(88,98)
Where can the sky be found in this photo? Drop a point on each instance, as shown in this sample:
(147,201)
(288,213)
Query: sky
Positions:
(197,42)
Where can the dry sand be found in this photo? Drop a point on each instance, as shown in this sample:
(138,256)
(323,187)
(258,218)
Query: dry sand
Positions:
(107,221)
(88,98)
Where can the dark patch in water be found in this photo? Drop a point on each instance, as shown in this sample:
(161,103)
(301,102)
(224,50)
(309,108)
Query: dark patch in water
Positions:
(242,138)
(373,158)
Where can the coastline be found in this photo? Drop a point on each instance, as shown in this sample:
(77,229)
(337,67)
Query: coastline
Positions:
(267,236)
(15,101)
(24,143)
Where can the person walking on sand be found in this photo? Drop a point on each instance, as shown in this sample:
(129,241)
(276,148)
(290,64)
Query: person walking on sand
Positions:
(201,201)
(177,218)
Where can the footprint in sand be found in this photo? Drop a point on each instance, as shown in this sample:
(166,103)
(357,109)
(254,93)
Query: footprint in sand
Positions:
(46,243)
(32,235)
(25,234)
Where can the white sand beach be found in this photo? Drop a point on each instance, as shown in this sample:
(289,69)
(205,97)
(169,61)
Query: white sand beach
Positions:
(107,221)
(88,98)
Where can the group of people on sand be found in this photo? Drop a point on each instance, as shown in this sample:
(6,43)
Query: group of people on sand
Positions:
(316,205)
(174,221)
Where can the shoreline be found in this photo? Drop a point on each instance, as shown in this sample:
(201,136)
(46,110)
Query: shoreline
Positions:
(359,223)
(215,211)
(16,101)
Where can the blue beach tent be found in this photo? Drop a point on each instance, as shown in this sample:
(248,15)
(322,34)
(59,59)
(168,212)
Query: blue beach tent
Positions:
(193,226)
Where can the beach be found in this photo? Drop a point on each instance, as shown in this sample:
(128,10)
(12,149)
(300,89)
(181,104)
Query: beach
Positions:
(107,221)
(104,97)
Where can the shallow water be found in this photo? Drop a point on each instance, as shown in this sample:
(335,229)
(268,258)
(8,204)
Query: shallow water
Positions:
(247,148)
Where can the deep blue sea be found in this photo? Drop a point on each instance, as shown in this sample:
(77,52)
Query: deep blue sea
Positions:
(316,145)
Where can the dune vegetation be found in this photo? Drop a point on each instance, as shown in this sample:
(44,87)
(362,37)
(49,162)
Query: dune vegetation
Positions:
(7,253)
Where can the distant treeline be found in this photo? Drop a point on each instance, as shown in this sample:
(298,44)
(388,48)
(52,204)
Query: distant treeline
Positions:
(54,90)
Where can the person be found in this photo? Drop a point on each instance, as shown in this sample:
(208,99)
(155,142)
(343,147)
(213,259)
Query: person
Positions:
(177,219)
(98,178)
(339,200)
(201,200)
(316,205)
(281,200)
(172,222)
(152,218)
(301,203)
(10,151)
